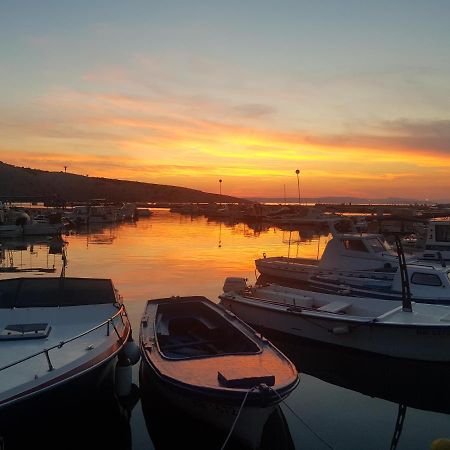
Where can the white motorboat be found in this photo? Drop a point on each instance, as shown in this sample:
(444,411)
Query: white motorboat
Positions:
(416,331)
(344,253)
(437,241)
(58,331)
(428,283)
(14,223)
(208,362)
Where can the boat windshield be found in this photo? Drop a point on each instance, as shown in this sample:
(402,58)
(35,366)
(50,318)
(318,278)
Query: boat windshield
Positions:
(377,245)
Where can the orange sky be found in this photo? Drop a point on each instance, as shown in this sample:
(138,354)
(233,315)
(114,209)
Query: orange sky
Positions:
(189,96)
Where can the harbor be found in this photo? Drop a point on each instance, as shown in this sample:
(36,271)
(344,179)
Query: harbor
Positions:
(396,403)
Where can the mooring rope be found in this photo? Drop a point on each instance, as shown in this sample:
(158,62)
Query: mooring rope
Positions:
(237,417)
(303,421)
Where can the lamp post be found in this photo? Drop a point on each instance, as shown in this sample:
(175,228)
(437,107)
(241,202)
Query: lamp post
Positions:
(298,185)
(220,191)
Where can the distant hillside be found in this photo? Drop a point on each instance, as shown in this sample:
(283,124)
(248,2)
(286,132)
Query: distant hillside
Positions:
(24,182)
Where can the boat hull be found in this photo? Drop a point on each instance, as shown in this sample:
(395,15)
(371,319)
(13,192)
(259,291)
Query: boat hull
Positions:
(219,413)
(75,390)
(414,342)
(210,364)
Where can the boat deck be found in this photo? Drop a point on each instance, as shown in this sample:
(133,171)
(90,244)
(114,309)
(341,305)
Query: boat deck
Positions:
(61,324)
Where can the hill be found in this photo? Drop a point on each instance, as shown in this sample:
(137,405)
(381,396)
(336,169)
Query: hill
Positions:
(20,182)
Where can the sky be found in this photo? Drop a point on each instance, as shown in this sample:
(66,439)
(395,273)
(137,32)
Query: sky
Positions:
(354,94)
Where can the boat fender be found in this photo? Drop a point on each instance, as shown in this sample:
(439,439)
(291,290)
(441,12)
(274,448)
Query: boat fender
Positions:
(131,351)
(123,376)
(341,330)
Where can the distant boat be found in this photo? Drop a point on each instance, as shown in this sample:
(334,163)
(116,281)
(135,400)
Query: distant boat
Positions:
(305,216)
(379,326)
(14,223)
(345,253)
(211,364)
(55,332)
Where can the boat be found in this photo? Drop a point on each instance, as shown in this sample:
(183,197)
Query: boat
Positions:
(344,253)
(305,216)
(428,284)
(15,223)
(56,333)
(160,416)
(437,240)
(205,360)
(402,329)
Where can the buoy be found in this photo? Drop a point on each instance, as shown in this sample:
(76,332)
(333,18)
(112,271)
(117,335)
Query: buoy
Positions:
(123,376)
(131,351)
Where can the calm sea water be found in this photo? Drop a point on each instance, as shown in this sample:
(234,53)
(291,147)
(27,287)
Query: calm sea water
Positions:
(345,400)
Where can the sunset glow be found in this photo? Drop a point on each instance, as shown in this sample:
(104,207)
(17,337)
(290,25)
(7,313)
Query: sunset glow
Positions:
(184,96)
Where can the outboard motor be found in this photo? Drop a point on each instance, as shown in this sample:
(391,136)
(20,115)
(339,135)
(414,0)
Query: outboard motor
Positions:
(235,284)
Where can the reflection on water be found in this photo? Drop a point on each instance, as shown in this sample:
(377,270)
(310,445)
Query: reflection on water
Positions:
(28,254)
(418,384)
(350,400)
(98,422)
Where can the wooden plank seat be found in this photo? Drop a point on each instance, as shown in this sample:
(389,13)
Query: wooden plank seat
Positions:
(338,306)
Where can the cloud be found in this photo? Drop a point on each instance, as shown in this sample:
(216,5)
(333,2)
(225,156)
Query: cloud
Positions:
(254,110)
(401,134)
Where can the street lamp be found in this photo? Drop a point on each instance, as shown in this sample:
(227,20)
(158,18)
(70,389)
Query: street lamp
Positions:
(220,191)
(298,185)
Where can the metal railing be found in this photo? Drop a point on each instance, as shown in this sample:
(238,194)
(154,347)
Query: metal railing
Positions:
(62,343)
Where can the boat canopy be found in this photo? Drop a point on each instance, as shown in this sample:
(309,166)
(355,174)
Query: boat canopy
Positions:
(44,292)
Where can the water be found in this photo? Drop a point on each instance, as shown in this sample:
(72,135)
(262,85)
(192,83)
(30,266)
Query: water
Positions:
(345,400)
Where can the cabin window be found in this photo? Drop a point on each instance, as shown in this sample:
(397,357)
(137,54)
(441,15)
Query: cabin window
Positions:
(376,245)
(351,244)
(426,279)
(442,233)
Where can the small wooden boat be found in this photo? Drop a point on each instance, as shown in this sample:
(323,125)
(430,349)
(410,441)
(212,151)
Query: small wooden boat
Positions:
(205,360)
(58,333)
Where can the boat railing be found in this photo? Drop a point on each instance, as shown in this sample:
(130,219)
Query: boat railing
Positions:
(108,323)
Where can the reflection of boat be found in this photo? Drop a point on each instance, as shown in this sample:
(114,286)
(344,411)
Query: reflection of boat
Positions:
(417,384)
(56,331)
(416,331)
(213,365)
(39,249)
(344,253)
(98,419)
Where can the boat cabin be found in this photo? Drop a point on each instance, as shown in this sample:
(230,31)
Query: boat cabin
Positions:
(358,252)
(425,281)
(437,245)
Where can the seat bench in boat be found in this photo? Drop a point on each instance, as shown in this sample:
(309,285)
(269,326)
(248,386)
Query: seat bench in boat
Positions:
(337,306)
